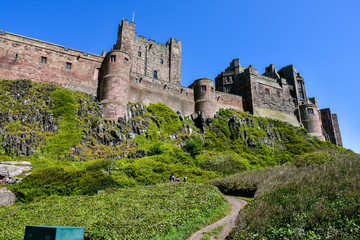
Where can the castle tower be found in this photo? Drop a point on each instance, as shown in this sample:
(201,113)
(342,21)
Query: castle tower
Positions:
(114,86)
(204,96)
(311,118)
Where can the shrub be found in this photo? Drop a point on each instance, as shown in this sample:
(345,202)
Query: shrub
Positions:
(169,120)
(194,146)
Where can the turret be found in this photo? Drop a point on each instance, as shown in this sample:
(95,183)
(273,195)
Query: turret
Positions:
(126,36)
(311,118)
(204,96)
(114,86)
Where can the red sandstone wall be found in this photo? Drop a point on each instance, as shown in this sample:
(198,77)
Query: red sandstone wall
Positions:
(149,90)
(83,75)
(226,100)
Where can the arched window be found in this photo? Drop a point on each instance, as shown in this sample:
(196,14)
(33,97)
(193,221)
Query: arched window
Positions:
(155,74)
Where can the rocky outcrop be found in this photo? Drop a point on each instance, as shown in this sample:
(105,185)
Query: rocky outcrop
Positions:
(9,171)
(7,198)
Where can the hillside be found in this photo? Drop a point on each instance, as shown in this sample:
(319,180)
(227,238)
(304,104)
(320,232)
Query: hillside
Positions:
(74,151)
(315,197)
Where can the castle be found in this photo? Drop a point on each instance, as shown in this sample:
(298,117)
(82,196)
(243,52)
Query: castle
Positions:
(141,70)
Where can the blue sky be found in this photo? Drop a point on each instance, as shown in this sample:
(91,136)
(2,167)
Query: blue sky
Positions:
(320,38)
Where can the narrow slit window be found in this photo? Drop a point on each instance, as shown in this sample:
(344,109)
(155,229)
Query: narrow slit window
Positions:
(155,74)
(301,94)
(139,53)
(267,91)
(126,61)
(68,65)
(113,58)
(16,56)
(43,60)
(161,61)
(203,88)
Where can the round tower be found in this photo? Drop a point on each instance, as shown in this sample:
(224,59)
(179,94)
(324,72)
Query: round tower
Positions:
(311,119)
(114,85)
(204,96)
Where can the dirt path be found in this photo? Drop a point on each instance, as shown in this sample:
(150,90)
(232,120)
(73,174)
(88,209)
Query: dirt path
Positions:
(229,220)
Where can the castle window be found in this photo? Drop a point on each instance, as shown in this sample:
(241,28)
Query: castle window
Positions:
(161,61)
(203,88)
(212,89)
(136,80)
(16,57)
(139,53)
(299,85)
(155,74)
(139,48)
(227,88)
(301,94)
(267,91)
(43,60)
(113,58)
(68,65)
(186,94)
(126,61)
(310,111)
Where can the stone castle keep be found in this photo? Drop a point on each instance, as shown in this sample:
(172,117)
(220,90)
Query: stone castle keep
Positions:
(141,70)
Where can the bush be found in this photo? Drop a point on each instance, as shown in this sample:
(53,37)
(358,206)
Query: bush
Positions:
(194,146)
(169,120)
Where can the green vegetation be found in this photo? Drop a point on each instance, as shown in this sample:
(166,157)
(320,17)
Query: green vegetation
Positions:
(69,133)
(75,152)
(164,211)
(317,198)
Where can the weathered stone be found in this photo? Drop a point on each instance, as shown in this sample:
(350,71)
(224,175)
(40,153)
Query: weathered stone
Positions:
(7,198)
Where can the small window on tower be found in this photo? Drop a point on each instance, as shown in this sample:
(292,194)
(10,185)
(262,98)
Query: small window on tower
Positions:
(43,60)
(161,61)
(155,74)
(16,56)
(267,91)
(310,111)
(203,88)
(212,90)
(68,65)
(113,58)
(301,94)
(126,61)
(139,53)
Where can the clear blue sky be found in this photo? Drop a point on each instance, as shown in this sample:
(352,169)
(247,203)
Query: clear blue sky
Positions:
(320,38)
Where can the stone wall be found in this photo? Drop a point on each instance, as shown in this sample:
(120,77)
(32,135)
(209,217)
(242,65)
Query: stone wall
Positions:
(26,58)
(226,100)
(267,93)
(148,90)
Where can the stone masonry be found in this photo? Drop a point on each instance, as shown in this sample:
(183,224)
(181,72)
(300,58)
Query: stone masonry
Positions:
(141,70)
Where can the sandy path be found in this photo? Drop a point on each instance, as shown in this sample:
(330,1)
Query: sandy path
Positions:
(229,220)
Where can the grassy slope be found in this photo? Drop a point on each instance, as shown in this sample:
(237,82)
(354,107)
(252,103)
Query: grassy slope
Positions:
(165,211)
(316,197)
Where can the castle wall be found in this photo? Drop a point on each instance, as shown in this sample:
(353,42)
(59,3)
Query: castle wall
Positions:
(149,90)
(331,126)
(226,100)
(23,57)
(267,93)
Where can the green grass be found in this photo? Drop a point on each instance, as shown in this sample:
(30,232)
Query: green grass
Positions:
(165,211)
(317,199)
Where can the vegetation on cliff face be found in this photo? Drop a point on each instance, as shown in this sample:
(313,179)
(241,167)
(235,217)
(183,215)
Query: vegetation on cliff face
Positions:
(75,152)
(315,197)
(63,131)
